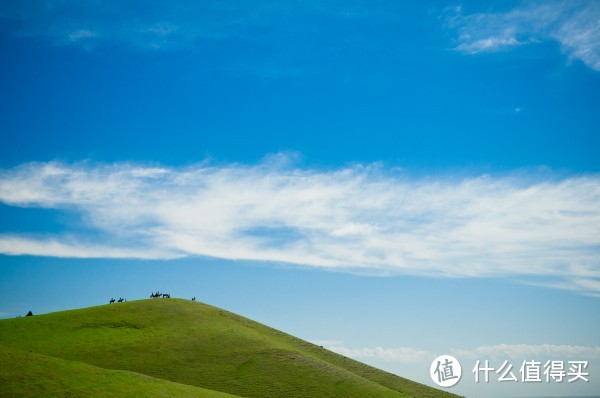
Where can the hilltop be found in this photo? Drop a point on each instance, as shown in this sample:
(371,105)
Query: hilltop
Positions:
(178,345)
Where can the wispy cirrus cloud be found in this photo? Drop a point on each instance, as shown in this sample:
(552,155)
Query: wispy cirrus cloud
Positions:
(139,24)
(575,25)
(361,218)
(53,247)
(161,24)
(166,24)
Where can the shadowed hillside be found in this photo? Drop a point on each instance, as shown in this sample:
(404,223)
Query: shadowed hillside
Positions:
(25,374)
(192,344)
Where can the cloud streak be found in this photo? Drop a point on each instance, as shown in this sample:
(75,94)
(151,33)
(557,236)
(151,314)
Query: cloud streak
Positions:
(573,24)
(490,352)
(528,351)
(359,218)
(16,246)
(396,355)
(161,25)
(164,24)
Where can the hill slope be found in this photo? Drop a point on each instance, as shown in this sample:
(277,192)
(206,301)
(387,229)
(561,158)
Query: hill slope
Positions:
(199,345)
(24,374)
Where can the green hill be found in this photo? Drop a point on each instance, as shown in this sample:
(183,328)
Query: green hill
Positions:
(24,374)
(172,343)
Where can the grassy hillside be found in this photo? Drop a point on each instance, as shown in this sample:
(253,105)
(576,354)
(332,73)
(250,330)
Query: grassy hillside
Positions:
(198,345)
(25,374)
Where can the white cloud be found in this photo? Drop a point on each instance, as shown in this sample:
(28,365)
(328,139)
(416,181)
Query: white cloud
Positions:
(80,34)
(487,44)
(575,25)
(491,352)
(525,351)
(395,355)
(15,246)
(399,355)
(541,230)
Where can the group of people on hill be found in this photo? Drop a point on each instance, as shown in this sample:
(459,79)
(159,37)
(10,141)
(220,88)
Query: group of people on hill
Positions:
(120,300)
(152,295)
(159,294)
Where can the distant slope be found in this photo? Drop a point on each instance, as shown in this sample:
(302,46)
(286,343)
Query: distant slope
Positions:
(196,344)
(24,374)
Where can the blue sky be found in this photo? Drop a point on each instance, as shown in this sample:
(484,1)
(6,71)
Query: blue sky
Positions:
(394,181)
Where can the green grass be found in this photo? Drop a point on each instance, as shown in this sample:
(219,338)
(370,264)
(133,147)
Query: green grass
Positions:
(194,344)
(24,374)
